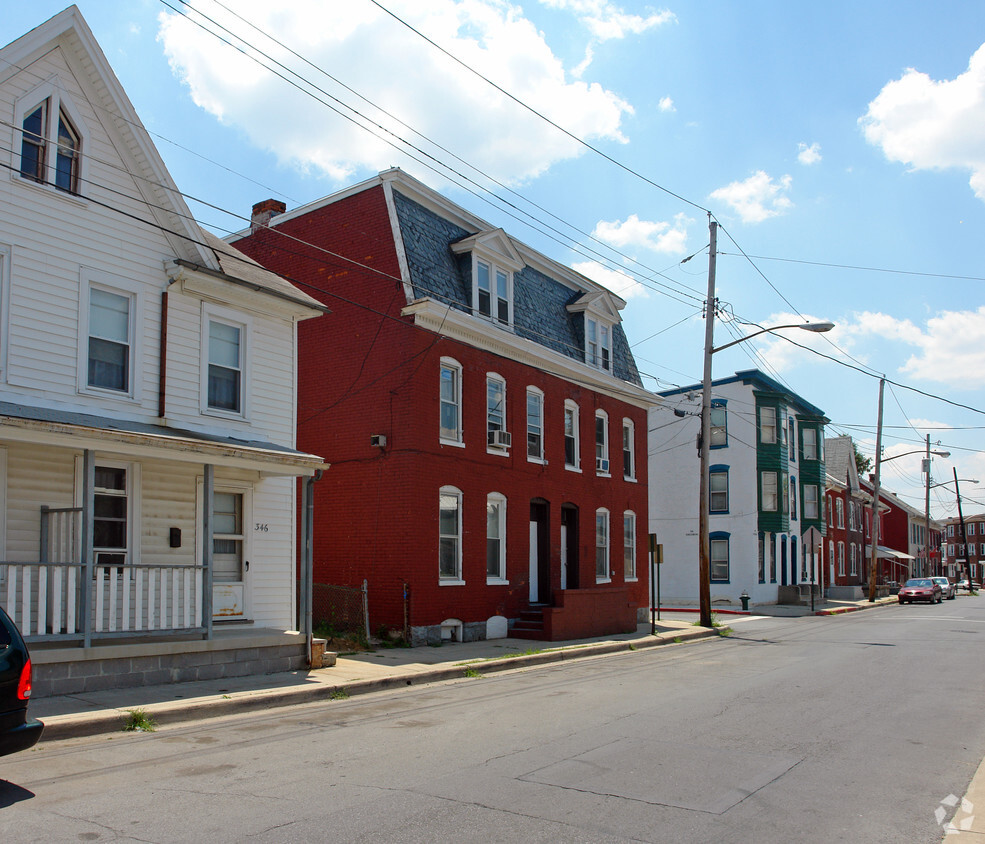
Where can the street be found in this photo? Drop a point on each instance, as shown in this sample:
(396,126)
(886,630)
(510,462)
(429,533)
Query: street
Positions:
(851,728)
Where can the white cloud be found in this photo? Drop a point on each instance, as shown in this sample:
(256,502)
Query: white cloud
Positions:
(664,237)
(781,354)
(757,198)
(667,104)
(933,125)
(950,347)
(606,20)
(808,155)
(614,280)
(404,75)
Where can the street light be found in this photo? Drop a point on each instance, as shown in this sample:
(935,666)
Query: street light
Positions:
(704,551)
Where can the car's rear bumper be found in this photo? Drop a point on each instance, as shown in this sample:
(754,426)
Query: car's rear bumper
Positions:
(21,737)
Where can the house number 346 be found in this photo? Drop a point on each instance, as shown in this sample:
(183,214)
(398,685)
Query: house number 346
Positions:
(261,527)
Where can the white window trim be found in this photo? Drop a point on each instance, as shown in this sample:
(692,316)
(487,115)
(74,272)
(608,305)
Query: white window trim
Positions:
(535,391)
(52,91)
(501,450)
(602,326)
(817,509)
(494,268)
(456,367)
(776,491)
(228,316)
(630,578)
(131,290)
(812,432)
(459,580)
(771,410)
(500,500)
(628,425)
(607,577)
(6,259)
(576,432)
(602,473)
(133,495)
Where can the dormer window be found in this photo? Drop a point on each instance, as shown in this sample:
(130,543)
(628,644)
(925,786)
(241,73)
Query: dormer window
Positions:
(494,263)
(493,294)
(39,138)
(598,344)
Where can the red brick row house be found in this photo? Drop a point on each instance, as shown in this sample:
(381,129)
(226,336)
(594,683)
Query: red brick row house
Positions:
(481,410)
(965,553)
(844,554)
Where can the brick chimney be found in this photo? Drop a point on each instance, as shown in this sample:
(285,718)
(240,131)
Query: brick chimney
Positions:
(264,212)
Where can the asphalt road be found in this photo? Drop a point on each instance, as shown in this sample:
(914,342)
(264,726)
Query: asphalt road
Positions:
(848,728)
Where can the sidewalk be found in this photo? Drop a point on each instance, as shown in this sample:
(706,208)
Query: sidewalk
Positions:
(92,713)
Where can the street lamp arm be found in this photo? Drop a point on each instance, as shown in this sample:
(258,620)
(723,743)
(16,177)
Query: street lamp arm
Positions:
(919,451)
(963,480)
(817,327)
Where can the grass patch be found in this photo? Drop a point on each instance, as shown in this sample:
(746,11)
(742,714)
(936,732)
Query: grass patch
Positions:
(471,673)
(339,694)
(138,721)
(677,640)
(724,632)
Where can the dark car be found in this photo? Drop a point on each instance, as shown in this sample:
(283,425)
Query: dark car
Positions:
(17,731)
(920,589)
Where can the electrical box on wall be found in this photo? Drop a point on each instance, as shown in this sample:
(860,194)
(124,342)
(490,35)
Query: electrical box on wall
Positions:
(174,539)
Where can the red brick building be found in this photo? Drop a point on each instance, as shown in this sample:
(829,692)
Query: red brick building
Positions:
(963,556)
(481,412)
(845,563)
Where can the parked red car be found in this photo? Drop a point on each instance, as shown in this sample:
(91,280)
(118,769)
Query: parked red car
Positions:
(920,589)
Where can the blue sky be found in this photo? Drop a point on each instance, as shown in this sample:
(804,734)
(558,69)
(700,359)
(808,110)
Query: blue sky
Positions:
(841,148)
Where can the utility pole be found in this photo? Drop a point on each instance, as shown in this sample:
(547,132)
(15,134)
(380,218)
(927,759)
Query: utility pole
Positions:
(926,519)
(964,536)
(704,443)
(874,558)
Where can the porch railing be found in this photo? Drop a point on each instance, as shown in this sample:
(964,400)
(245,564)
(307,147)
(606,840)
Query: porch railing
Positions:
(45,600)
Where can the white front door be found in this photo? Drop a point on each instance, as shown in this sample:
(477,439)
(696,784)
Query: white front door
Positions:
(534,568)
(231,513)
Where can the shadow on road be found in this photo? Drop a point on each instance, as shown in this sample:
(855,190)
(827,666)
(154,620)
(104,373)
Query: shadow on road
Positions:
(11,793)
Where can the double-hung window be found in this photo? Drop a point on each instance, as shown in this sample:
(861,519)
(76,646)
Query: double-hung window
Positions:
(840,513)
(602,545)
(810,443)
(450,535)
(718,545)
(110,342)
(719,427)
(225,390)
(767,424)
(572,458)
(535,425)
(629,545)
(598,344)
(768,491)
(841,558)
(793,498)
(718,489)
(791,440)
(451,401)
(628,450)
(601,442)
(493,292)
(810,501)
(495,538)
(496,435)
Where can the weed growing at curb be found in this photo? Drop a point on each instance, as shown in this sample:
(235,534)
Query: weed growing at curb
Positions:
(339,694)
(632,647)
(677,640)
(724,632)
(471,672)
(138,721)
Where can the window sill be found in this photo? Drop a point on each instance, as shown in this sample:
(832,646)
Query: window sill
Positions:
(501,452)
(48,188)
(540,461)
(496,581)
(225,415)
(572,468)
(603,475)
(631,579)
(450,582)
(603,580)
(629,480)
(452,443)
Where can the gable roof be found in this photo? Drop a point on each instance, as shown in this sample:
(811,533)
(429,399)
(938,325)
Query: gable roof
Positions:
(839,460)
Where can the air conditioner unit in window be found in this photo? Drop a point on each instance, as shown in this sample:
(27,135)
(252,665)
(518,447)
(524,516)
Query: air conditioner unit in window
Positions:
(601,464)
(500,439)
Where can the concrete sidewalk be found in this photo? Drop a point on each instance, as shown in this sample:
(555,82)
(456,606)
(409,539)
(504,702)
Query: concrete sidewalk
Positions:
(92,713)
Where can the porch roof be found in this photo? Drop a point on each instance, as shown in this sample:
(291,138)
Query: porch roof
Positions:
(50,426)
(885,553)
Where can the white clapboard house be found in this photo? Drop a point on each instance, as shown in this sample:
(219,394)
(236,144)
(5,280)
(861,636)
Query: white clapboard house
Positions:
(148,474)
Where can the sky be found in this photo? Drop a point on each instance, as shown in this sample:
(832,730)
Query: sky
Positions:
(840,150)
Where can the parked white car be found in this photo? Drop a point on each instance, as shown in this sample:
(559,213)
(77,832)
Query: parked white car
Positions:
(947,588)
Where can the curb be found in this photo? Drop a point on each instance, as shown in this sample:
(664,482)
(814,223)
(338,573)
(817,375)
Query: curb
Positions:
(61,727)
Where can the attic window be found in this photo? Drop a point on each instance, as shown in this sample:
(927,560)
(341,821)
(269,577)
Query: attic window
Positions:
(598,344)
(51,142)
(492,294)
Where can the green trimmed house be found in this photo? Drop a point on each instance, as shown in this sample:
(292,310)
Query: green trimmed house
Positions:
(766,501)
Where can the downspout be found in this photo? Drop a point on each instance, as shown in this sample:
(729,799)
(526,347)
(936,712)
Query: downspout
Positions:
(307,559)
(163,356)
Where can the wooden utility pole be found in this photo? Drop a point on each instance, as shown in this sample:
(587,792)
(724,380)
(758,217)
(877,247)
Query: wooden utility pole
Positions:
(964,536)
(704,451)
(874,557)
(928,562)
